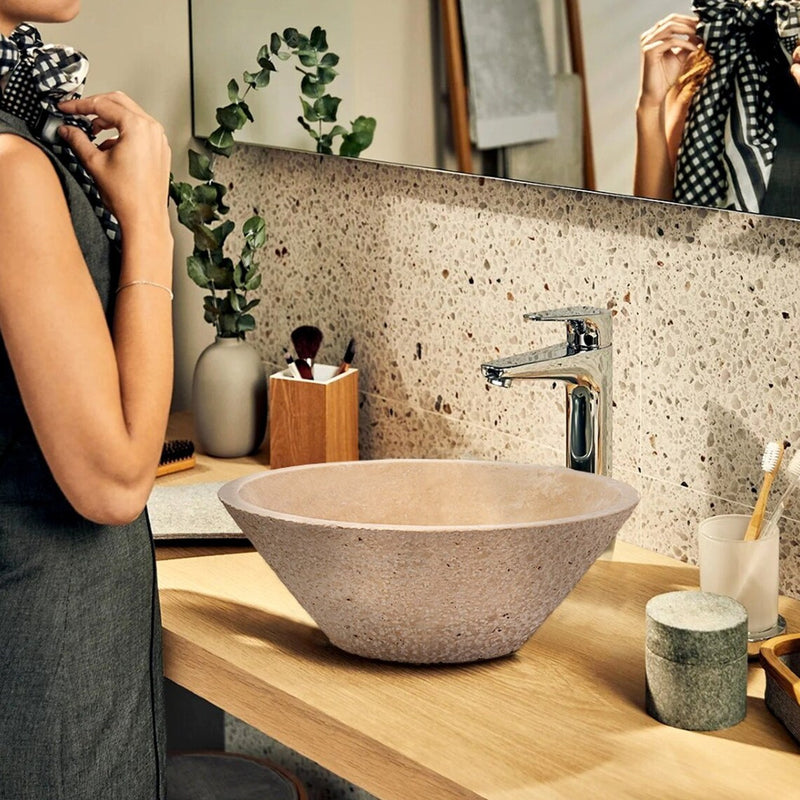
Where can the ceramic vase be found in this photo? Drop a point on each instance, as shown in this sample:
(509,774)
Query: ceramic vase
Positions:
(229,399)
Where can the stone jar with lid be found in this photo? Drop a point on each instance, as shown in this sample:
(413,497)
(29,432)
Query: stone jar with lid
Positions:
(696,660)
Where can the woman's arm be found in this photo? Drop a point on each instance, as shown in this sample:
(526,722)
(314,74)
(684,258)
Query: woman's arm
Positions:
(97,400)
(660,110)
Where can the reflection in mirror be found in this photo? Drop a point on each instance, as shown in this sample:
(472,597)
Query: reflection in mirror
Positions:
(393,68)
(385,70)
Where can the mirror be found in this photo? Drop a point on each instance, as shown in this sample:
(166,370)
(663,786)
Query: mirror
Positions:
(392,68)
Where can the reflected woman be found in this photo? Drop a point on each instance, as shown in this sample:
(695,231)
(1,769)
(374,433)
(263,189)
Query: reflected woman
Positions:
(718,120)
(674,64)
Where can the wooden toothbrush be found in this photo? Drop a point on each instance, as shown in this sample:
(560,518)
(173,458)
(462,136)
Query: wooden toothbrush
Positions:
(770,463)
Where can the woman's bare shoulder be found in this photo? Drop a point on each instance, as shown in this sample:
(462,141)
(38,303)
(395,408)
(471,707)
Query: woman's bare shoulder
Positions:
(29,182)
(22,160)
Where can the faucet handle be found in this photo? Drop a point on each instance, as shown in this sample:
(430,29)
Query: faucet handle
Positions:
(588,328)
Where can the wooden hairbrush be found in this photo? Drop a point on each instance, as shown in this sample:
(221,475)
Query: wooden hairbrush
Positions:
(176,455)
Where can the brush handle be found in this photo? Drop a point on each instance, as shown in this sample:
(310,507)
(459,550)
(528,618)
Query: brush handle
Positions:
(781,507)
(754,526)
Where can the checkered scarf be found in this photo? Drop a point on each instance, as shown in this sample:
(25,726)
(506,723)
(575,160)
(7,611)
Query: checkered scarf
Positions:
(39,77)
(729,140)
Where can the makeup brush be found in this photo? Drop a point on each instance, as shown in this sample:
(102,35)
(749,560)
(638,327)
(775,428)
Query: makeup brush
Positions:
(347,358)
(770,462)
(306,340)
(290,363)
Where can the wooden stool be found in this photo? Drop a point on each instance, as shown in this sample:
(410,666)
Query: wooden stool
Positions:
(229,776)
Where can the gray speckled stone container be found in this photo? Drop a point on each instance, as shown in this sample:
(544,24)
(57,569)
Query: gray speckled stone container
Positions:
(696,660)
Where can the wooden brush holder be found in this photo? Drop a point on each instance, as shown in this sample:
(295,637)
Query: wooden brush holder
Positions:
(311,422)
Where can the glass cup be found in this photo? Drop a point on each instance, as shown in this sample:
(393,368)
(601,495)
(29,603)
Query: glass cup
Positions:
(745,571)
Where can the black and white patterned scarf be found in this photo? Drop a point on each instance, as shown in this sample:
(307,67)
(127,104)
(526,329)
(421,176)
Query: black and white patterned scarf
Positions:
(38,77)
(726,153)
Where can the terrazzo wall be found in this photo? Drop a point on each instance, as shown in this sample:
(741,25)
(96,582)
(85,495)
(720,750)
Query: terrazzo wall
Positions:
(431,273)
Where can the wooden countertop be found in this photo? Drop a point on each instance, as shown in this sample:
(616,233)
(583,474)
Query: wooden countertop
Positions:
(564,717)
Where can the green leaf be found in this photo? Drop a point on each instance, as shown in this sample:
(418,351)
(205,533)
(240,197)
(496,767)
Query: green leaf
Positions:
(308,58)
(253,283)
(325,75)
(338,130)
(252,273)
(179,192)
(361,137)
(221,275)
(310,87)
(263,57)
(221,191)
(329,60)
(246,322)
(319,39)
(246,110)
(204,238)
(231,117)
(326,107)
(252,304)
(251,79)
(221,141)
(284,56)
(291,37)
(308,111)
(233,91)
(204,194)
(195,267)
(274,43)
(255,232)
(200,166)
(228,324)
(221,233)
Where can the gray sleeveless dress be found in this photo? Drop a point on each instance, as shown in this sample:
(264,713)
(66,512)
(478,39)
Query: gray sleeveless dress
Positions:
(81,713)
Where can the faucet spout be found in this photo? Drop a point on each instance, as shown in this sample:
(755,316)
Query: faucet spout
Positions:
(583,363)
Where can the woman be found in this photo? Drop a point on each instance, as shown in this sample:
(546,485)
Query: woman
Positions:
(85,386)
(673,65)
(718,116)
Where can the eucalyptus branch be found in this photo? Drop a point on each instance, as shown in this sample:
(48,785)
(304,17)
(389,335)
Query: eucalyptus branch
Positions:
(201,205)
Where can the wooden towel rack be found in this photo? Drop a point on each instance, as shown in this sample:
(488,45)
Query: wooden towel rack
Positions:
(457,84)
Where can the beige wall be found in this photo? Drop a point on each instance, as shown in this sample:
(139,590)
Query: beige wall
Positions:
(142,48)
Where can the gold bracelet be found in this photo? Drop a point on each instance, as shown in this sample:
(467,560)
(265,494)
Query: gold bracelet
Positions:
(147,283)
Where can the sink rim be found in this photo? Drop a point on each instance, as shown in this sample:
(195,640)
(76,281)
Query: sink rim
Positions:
(228,494)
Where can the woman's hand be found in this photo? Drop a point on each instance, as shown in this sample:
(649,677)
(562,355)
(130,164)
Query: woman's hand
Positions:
(131,170)
(665,48)
(795,68)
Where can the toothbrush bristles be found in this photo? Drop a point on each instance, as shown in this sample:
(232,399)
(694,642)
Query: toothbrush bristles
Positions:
(771,457)
(793,467)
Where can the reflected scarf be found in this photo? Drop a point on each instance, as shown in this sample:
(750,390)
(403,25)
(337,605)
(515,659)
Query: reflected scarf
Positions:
(38,77)
(726,153)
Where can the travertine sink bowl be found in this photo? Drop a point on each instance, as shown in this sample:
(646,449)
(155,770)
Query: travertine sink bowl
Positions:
(429,561)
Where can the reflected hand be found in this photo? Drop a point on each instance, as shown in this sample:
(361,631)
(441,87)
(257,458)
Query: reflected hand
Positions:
(665,48)
(795,68)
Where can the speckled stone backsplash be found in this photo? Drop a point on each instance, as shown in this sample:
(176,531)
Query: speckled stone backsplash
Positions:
(432,272)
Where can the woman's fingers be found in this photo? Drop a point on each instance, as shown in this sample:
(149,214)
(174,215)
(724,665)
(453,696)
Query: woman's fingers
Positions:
(106,105)
(795,68)
(78,142)
(134,164)
(671,25)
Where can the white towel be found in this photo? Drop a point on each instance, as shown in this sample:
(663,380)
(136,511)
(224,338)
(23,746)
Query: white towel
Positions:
(511,90)
(192,511)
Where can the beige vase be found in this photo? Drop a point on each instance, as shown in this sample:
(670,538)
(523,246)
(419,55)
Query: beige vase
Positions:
(229,399)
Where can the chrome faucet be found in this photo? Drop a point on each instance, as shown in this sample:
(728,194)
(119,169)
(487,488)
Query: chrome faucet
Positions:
(583,364)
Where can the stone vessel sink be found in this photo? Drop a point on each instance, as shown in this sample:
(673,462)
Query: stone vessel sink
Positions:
(429,561)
